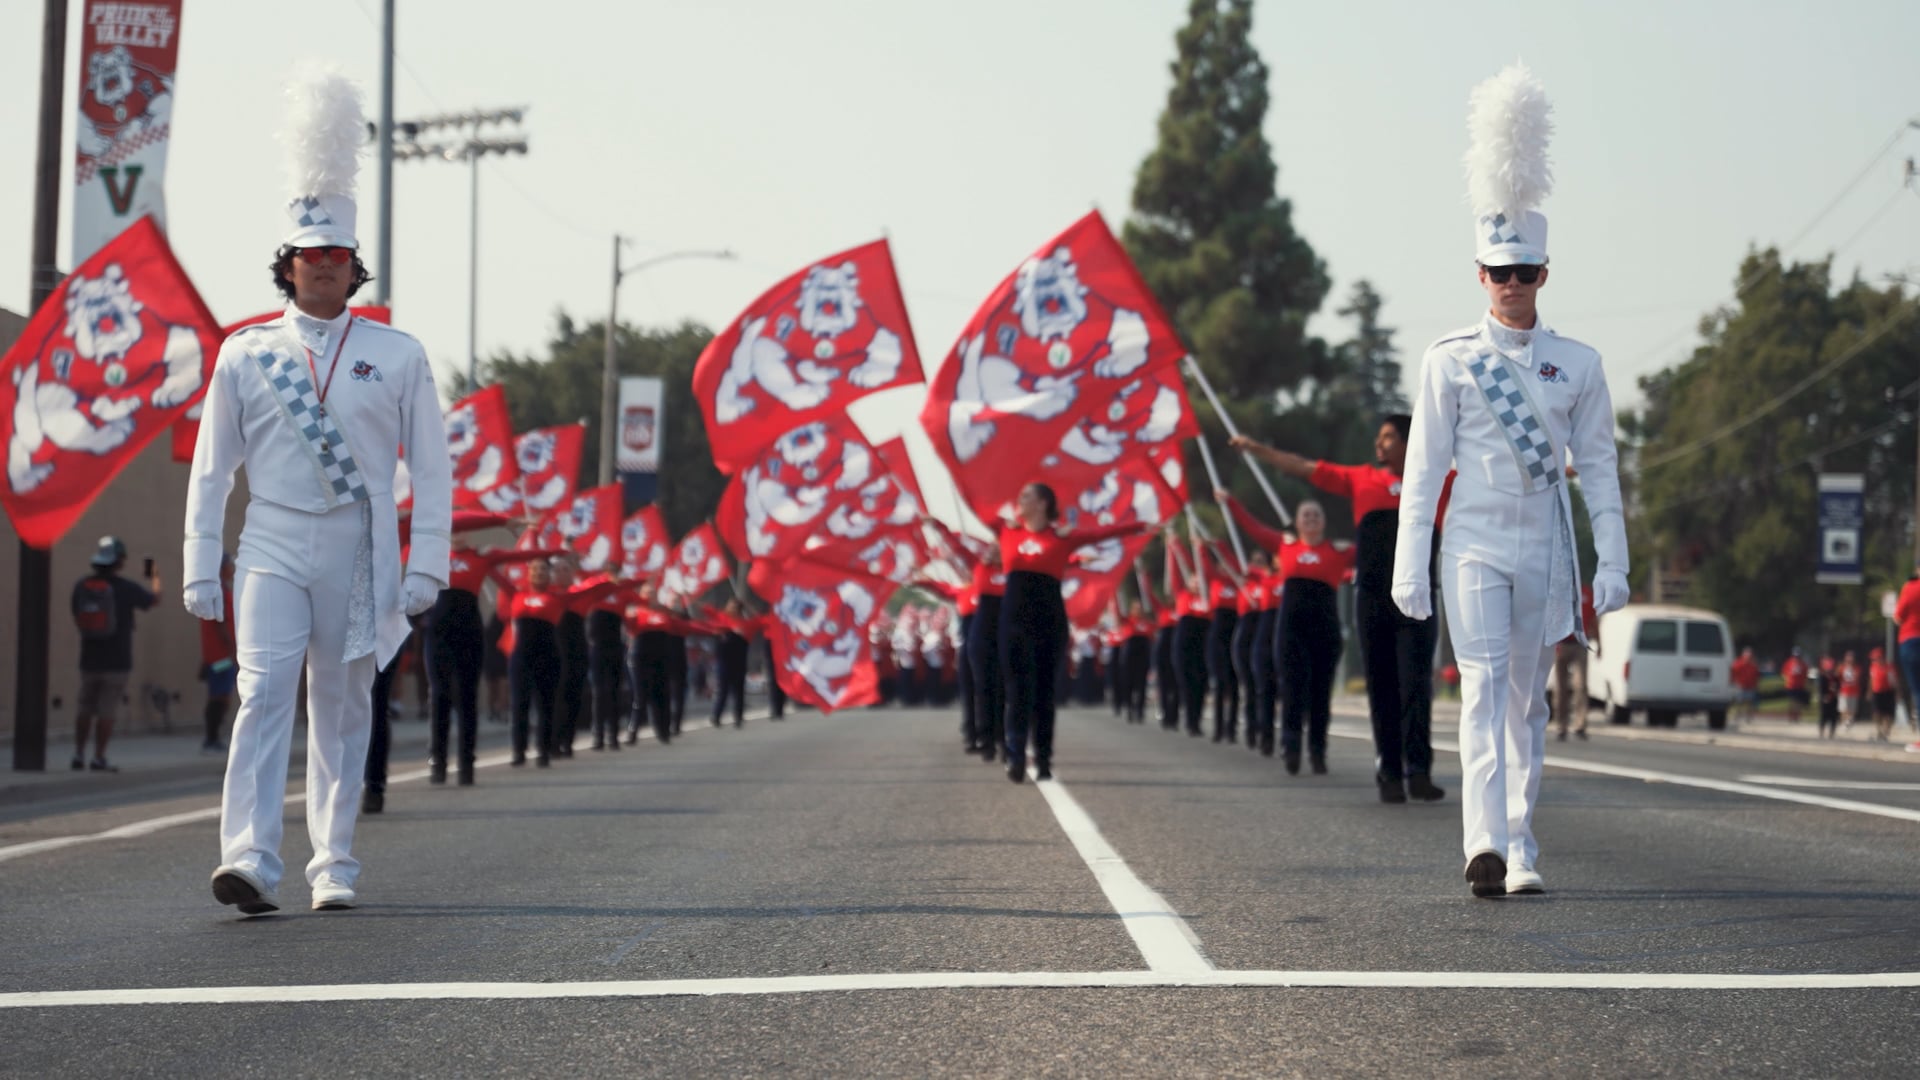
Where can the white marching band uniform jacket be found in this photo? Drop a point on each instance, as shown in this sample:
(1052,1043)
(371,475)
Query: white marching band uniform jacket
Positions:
(1506,408)
(381,402)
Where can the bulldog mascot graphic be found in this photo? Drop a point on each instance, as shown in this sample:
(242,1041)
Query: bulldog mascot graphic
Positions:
(824,632)
(473,473)
(797,361)
(112,358)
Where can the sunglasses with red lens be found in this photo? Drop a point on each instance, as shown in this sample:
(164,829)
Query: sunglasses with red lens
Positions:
(1528,275)
(314,256)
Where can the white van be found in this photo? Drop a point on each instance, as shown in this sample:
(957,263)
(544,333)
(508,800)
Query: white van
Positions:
(1665,660)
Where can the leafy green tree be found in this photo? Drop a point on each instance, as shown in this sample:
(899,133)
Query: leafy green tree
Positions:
(563,386)
(1735,509)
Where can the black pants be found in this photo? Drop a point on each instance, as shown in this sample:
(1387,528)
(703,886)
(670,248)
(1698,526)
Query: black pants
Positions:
(573,680)
(1086,680)
(1033,622)
(776,694)
(534,673)
(1398,655)
(1226,683)
(381,737)
(989,682)
(1166,682)
(605,659)
(1190,668)
(1136,660)
(455,643)
(677,678)
(963,678)
(732,679)
(1310,650)
(1242,645)
(1266,681)
(647,665)
(1115,682)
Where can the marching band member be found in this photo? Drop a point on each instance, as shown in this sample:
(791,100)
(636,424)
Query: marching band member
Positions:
(1192,609)
(455,643)
(316,404)
(1508,399)
(1224,599)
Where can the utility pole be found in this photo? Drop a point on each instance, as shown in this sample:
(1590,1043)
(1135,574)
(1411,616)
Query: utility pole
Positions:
(383,269)
(36,591)
(609,373)
(469,149)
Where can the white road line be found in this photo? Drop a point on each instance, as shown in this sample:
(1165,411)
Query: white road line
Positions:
(1655,776)
(1838,785)
(153,825)
(955,980)
(1162,936)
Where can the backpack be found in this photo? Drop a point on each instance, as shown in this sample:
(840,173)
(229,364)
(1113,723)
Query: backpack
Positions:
(95,609)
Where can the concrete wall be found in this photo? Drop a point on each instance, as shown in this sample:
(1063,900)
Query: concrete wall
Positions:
(144,507)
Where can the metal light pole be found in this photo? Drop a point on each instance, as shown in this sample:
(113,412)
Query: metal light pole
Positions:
(609,372)
(36,592)
(469,150)
(383,269)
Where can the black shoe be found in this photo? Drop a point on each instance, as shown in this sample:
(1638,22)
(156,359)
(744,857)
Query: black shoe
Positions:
(373,802)
(99,764)
(543,761)
(563,751)
(466,776)
(1319,764)
(79,764)
(519,758)
(1016,770)
(437,772)
(1391,791)
(1292,759)
(1421,787)
(598,744)
(1044,770)
(1195,732)
(1487,875)
(1581,734)
(990,754)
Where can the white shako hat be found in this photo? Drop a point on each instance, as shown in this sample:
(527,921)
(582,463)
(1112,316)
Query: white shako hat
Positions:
(324,132)
(1509,123)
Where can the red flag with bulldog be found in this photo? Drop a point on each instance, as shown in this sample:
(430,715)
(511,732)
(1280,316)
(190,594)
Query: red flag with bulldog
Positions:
(480,441)
(1146,490)
(821,616)
(120,351)
(877,533)
(549,463)
(1095,576)
(186,430)
(806,349)
(697,564)
(814,481)
(1057,342)
(588,525)
(644,544)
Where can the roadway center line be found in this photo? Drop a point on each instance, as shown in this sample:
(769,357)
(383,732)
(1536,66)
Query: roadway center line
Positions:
(168,821)
(956,980)
(1165,941)
(1735,787)
(1838,785)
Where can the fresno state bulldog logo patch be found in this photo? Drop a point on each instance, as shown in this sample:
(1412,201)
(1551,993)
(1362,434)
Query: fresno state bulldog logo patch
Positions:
(1551,374)
(365,372)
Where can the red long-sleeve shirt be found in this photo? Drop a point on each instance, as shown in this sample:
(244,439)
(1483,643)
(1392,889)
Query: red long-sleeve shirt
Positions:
(1907,610)
(468,570)
(1226,595)
(988,580)
(1324,562)
(1048,552)
(542,605)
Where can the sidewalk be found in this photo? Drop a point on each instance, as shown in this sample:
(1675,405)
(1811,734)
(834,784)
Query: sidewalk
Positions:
(1763,734)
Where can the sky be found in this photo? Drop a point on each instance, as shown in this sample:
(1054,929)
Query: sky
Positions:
(971,133)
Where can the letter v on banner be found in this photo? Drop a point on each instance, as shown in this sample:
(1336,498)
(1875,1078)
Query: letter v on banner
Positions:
(121,197)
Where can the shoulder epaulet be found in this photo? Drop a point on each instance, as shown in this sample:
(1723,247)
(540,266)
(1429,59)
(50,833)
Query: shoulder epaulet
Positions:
(1454,335)
(362,320)
(251,328)
(1557,335)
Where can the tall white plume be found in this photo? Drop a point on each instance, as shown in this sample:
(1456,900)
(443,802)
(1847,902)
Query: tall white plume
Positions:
(324,132)
(1509,123)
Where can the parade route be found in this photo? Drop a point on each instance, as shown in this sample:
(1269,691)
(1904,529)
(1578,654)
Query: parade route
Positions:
(850,893)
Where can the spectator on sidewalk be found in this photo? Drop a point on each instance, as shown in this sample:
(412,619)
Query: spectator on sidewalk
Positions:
(1829,698)
(1880,683)
(1907,614)
(1849,689)
(1746,686)
(103,607)
(1793,674)
(1570,673)
(219,666)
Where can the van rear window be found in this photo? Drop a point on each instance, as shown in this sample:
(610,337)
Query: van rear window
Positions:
(1658,636)
(1705,639)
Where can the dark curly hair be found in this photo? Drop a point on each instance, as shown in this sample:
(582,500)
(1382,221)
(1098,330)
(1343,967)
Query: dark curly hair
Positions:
(282,271)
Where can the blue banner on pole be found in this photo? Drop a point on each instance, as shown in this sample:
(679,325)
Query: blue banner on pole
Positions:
(1843,509)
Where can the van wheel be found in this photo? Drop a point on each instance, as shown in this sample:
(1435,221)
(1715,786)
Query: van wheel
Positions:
(1619,714)
(1717,720)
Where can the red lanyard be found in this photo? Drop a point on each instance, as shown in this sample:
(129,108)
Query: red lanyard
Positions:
(319,388)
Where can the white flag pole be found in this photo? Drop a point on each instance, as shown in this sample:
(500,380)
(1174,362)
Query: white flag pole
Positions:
(1213,474)
(1213,399)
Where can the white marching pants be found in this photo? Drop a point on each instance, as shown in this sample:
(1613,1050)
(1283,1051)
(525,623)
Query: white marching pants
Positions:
(291,583)
(1496,619)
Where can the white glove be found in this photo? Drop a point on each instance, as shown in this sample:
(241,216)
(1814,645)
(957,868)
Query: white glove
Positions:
(1610,591)
(203,600)
(1414,599)
(420,592)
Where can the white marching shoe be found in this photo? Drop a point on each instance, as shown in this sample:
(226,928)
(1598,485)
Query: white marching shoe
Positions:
(1524,881)
(241,888)
(331,895)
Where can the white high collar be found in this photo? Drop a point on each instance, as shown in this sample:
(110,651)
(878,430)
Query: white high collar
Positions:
(1516,345)
(315,333)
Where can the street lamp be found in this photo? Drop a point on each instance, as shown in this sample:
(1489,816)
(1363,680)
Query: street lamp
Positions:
(609,375)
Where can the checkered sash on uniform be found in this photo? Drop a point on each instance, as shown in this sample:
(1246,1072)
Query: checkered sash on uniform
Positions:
(1533,448)
(293,388)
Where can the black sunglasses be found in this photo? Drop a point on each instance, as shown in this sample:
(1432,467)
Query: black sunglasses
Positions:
(1528,275)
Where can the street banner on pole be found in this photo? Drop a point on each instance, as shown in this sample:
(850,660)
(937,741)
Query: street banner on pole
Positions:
(128,50)
(1843,507)
(638,450)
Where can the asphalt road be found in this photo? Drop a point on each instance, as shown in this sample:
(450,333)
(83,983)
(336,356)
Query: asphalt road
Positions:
(824,850)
